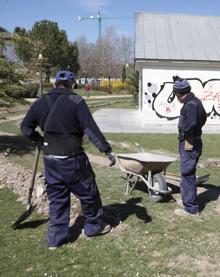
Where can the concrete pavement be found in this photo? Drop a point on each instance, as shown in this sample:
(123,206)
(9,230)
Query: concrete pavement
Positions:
(130,121)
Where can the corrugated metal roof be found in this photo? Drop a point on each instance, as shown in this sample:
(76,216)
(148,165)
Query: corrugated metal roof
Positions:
(177,37)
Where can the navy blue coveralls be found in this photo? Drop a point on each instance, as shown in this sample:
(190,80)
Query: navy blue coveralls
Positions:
(67,172)
(192,118)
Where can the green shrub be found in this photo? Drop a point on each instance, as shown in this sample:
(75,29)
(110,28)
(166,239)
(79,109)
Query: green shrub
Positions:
(29,91)
(6,70)
(80,86)
(2,94)
(21,91)
(5,101)
(47,86)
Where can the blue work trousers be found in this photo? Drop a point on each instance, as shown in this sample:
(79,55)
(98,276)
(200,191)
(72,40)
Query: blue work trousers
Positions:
(65,176)
(188,163)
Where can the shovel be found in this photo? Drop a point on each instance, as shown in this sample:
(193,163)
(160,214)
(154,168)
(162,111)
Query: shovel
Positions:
(29,208)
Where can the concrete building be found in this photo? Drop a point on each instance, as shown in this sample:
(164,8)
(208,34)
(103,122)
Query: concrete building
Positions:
(176,44)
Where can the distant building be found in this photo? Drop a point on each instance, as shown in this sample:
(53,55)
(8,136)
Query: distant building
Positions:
(176,44)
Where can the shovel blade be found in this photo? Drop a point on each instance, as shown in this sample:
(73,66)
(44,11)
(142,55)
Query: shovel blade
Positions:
(23,216)
(29,208)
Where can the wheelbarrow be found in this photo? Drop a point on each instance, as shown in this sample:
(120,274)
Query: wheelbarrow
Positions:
(147,167)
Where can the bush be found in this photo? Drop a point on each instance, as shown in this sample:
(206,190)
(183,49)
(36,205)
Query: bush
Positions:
(101,88)
(6,70)
(4,96)
(5,101)
(29,91)
(79,86)
(21,91)
(47,86)
(115,84)
(135,96)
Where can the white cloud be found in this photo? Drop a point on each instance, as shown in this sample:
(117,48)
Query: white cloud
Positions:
(92,4)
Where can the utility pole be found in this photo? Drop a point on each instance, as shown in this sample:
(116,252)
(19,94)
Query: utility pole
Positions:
(40,58)
(99,18)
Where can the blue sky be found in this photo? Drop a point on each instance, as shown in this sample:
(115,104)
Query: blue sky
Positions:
(25,13)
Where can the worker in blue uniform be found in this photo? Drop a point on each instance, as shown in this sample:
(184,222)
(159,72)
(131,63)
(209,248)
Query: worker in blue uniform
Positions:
(64,118)
(191,120)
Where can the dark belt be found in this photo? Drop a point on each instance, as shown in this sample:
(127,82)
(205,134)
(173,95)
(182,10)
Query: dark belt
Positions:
(197,137)
(182,136)
(61,144)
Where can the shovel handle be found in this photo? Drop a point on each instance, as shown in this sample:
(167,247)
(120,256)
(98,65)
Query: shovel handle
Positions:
(33,175)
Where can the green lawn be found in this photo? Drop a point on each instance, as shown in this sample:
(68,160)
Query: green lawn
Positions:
(82,92)
(150,242)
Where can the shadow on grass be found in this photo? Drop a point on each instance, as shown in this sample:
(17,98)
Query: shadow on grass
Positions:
(17,144)
(141,186)
(115,213)
(32,224)
(211,193)
(76,229)
(175,188)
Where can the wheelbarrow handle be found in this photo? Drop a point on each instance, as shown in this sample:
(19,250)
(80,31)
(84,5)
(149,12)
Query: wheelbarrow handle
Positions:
(33,175)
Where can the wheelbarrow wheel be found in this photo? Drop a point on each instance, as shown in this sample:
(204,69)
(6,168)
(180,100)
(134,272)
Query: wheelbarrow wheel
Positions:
(158,182)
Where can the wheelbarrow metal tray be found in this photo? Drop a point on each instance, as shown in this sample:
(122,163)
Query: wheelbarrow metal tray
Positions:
(142,163)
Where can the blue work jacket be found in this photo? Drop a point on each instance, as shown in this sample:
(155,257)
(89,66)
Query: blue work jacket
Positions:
(70,115)
(192,117)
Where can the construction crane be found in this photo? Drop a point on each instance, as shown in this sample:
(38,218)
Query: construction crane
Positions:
(99,18)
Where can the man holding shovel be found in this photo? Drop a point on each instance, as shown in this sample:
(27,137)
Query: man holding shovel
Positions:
(64,118)
(191,120)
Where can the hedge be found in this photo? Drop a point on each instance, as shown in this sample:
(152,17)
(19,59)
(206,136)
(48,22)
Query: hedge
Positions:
(21,91)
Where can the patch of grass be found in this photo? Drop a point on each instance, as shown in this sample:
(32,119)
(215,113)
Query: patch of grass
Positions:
(10,127)
(17,111)
(82,92)
(152,241)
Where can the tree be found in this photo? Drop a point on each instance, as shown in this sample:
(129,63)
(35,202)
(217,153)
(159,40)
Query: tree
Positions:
(123,74)
(69,59)
(106,57)
(3,40)
(2,30)
(57,49)
(23,45)
(86,58)
(125,49)
(133,81)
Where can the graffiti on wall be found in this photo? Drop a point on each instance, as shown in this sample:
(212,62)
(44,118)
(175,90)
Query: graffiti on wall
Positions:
(161,99)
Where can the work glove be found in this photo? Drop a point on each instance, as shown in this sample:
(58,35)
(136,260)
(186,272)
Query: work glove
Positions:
(38,140)
(188,144)
(111,157)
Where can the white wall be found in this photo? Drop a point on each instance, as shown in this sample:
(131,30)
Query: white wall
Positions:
(157,85)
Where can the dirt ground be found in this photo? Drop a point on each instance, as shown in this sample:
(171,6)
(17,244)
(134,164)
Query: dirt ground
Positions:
(17,178)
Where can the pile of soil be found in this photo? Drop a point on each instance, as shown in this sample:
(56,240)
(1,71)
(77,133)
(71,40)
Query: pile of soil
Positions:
(17,178)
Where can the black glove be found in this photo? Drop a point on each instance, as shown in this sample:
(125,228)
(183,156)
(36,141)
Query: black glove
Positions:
(38,140)
(111,157)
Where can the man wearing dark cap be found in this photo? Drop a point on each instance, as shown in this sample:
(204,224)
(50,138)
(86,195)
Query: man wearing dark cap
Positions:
(192,118)
(64,118)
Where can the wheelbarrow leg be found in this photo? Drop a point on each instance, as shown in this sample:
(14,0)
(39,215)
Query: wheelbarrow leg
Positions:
(129,183)
(149,178)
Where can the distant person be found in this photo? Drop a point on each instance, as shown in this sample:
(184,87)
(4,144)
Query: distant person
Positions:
(64,117)
(87,89)
(191,120)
